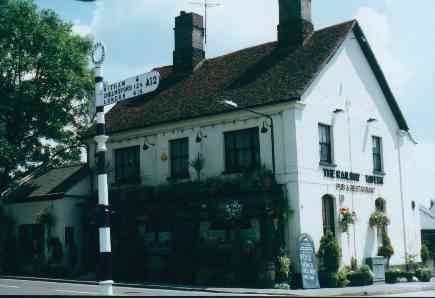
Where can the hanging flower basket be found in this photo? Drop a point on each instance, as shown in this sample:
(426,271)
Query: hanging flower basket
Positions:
(379,219)
(346,218)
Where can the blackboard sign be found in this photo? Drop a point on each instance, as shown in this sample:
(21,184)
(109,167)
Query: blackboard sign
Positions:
(308,262)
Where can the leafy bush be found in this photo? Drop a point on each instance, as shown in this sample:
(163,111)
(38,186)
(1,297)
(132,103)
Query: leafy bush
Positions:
(423,274)
(379,219)
(408,275)
(424,252)
(362,277)
(392,276)
(353,264)
(342,280)
(283,268)
(386,250)
(282,286)
(328,279)
(329,254)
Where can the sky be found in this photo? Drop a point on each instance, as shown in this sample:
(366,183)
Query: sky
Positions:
(138,35)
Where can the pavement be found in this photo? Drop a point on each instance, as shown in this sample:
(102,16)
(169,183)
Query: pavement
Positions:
(397,290)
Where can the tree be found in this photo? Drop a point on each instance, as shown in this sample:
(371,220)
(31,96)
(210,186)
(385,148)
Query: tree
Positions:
(45,86)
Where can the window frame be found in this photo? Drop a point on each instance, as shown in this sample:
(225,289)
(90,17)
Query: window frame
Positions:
(377,154)
(178,156)
(231,150)
(133,179)
(330,145)
(330,213)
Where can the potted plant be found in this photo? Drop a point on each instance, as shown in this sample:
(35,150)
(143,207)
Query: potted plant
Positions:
(379,219)
(346,218)
(386,250)
(198,164)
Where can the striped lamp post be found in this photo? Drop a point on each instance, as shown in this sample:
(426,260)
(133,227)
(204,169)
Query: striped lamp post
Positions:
(103,219)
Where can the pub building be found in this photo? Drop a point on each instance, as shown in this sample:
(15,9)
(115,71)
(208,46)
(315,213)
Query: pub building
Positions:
(208,192)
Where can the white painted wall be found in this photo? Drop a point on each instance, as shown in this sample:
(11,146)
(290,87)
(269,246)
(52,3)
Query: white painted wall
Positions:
(67,212)
(348,77)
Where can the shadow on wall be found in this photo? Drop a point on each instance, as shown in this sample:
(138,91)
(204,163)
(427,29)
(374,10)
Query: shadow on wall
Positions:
(370,242)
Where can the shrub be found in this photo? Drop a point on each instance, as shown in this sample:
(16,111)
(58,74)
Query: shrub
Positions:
(392,276)
(424,252)
(408,275)
(353,264)
(423,274)
(379,219)
(283,269)
(362,277)
(282,286)
(328,279)
(386,250)
(329,254)
(342,280)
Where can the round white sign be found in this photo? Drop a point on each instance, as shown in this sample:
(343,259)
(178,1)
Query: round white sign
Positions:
(98,53)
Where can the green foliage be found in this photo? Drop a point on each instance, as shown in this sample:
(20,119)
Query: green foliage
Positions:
(282,286)
(386,250)
(45,217)
(283,268)
(329,254)
(198,164)
(379,219)
(342,280)
(423,274)
(392,276)
(45,84)
(361,277)
(353,264)
(424,252)
(347,218)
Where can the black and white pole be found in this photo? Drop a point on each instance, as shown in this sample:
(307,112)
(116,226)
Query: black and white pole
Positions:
(103,219)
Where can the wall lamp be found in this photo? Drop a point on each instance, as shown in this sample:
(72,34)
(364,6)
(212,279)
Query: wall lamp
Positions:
(264,129)
(199,136)
(372,120)
(147,144)
(338,111)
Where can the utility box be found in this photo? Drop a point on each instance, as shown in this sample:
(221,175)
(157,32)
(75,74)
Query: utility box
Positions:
(377,265)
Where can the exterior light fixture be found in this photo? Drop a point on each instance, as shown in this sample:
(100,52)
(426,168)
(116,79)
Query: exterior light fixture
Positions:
(338,111)
(372,120)
(234,105)
(200,136)
(147,145)
(264,128)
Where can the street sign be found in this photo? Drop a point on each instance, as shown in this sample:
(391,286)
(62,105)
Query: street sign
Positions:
(131,87)
(308,262)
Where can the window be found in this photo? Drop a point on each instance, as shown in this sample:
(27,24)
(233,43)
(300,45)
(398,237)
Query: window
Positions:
(127,168)
(179,152)
(325,143)
(328,215)
(31,241)
(69,236)
(377,154)
(242,150)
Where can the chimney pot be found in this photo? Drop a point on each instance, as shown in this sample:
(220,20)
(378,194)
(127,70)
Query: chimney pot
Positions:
(294,22)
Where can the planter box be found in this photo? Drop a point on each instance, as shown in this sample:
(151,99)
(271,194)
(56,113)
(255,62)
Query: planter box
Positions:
(377,265)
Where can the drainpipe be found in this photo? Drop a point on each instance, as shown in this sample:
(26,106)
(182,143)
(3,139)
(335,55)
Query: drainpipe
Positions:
(399,139)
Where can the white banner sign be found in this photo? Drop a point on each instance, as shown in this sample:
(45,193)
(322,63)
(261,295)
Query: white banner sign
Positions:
(131,87)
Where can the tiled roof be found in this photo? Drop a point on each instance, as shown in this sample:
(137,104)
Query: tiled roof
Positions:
(259,75)
(51,184)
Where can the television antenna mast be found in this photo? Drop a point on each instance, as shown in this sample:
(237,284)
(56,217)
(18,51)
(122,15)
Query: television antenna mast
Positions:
(206,4)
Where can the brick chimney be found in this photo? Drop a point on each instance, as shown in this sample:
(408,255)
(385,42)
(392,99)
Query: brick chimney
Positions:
(294,22)
(189,41)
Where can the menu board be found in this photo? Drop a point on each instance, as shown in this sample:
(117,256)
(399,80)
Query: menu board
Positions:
(308,262)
